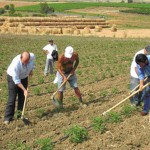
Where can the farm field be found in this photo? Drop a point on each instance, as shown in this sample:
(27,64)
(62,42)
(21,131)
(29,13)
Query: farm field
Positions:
(103,78)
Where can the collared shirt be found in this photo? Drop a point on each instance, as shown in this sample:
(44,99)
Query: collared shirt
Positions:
(50,49)
(144,71)
(133,65)
(19,71)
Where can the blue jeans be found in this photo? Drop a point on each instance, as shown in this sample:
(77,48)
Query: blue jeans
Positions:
(72,81)
(49,66)
(146,107)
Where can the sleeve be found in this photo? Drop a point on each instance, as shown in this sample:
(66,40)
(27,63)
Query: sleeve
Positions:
(141,74)
(15,75)
(45,48)
(32,58)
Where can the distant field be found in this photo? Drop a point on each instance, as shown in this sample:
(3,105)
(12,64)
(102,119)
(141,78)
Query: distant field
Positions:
(68,6)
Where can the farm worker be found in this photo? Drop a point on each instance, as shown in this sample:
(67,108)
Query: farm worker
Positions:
(143,69)
(67,64)
(48,50)
(134,80)
(17,76)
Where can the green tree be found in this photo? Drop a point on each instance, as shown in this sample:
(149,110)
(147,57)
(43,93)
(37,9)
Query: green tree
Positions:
(11,9)
(45,9)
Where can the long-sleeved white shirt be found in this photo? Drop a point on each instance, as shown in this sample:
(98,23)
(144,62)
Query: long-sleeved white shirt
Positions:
(50,49)
(19,71)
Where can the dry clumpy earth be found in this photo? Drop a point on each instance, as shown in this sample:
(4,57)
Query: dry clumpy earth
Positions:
(131,134)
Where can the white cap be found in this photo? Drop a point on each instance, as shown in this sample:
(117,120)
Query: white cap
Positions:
(68,52)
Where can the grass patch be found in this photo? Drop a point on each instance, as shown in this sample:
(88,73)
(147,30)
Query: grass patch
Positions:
(77,134)
(98,123)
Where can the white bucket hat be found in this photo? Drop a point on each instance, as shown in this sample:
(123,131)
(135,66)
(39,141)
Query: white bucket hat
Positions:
(68,52)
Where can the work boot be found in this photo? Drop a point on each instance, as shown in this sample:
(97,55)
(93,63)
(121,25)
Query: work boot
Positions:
(144,113)
(58,104)
(83,105)
(6,122)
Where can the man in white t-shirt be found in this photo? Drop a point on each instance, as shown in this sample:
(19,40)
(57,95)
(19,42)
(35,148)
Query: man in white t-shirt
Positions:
(48,49)
(134,80)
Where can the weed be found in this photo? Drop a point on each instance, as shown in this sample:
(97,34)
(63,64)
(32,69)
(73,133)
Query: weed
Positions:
(40,112)
(77,134)
(17,114)
(45,144)
(98,124)
(114,90)
(103,93)
(127,110)
(18,146)
(36,91)
(41,80)
(114,117)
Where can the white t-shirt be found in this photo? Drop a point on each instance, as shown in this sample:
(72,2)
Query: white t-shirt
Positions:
(50,49)
(133,64)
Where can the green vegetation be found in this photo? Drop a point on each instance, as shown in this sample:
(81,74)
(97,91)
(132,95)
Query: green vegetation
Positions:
(79,5)
(142,11)
(127,110)
(45,144)
(98,123)
(77,134)
(45,9)
(40,112)
(19,146)
(114,117)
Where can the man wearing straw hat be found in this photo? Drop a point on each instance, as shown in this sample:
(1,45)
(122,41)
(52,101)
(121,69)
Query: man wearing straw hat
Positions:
(67,64)
(134,80)
(143,69)
(17,76)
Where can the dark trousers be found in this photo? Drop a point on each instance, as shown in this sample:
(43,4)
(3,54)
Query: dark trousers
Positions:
(13,92)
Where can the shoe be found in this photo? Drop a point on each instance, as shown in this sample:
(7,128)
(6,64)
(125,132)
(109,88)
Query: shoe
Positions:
(6,122)
(144,113)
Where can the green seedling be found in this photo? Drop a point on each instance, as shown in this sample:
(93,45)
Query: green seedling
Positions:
(40,112)
(104,93)
(45,144)
(18,146)
(114,117)
(41,80)
(36,91)
(17,114)
(98,123)
(114,90)
(127,110)
(77,134)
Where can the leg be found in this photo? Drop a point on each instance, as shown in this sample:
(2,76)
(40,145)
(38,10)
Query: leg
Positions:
(59,102)
(21,94)
(46,67)
(12,94)
(78,94)
(133,83)
(51,64)
(73,83)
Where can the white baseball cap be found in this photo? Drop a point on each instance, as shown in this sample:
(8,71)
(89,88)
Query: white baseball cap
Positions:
(68,52)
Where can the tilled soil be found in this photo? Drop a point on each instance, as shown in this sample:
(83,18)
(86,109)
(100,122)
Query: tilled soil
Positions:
(132,133)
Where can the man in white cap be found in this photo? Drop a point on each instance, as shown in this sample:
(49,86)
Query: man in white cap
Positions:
(134,79)
(67,64)
(48,50)
(17,76)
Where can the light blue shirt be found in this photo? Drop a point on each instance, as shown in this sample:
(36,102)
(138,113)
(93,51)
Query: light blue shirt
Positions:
(19,71)
(145,71)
